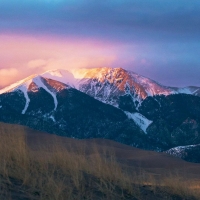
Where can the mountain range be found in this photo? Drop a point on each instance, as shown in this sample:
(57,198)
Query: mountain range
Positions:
(111,103)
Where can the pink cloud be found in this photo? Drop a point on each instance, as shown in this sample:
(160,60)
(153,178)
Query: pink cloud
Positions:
(36,63)
(25,55)
(6,75)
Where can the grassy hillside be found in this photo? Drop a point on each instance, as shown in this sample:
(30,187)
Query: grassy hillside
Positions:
(37,165)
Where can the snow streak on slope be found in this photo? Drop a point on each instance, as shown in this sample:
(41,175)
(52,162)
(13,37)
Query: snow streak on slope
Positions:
(140,120)
(23,88)
(37,80)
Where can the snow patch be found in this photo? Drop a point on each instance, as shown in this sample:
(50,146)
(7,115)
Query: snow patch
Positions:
(52,117)
(178,151)
(140,120)
(185,91)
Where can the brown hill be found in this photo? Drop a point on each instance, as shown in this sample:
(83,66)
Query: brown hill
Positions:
(150,161)
(37,165)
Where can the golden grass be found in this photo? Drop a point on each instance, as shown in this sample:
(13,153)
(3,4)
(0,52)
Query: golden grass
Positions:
(58,173)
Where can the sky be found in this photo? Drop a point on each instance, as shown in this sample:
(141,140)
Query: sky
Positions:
(159,39)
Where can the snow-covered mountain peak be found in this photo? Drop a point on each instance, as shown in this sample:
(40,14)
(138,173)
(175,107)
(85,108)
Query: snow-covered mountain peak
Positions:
(88,73)
(101,74)
(34,84)
(57,79)
(106,84)
(106,81)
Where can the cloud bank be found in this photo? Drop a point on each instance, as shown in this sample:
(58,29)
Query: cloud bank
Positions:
(157,38)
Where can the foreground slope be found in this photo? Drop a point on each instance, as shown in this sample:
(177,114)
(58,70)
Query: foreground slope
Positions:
(154,162)
(43,166)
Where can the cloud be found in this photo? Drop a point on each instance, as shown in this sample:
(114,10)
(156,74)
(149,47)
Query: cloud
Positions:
(74,61)
(36,63)
(34,55)
(161,62)
(8,72)
(148,37)
(7,75)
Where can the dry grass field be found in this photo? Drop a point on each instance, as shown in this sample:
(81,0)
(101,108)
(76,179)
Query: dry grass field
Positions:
(35,165)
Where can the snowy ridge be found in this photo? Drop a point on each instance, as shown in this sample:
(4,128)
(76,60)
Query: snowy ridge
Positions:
(37,80)
(118,78)
(105,84)
(140,120)
(108,84)
(14,86)
(24,86)
(151,87)
(113,79)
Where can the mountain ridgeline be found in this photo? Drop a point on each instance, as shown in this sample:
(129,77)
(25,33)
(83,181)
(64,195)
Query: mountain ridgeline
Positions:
(110,103)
